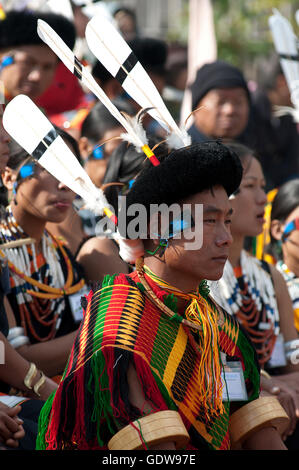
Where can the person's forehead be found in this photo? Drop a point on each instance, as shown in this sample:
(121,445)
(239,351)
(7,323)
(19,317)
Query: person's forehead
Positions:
(228,92)
(37,52)
(215,198)
(254,170)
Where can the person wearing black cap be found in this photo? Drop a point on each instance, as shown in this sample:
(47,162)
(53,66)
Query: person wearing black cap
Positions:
(225,108)
(221,90)
(145,368)
(27,64)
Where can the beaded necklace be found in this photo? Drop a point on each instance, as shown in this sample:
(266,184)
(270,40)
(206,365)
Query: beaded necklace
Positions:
(248,293)
(37,280)
(293,287)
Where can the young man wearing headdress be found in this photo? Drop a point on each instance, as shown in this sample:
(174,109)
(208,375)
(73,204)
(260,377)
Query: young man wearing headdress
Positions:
(145,369)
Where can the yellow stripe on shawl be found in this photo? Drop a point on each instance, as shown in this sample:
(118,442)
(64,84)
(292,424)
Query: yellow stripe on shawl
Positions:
(175,358)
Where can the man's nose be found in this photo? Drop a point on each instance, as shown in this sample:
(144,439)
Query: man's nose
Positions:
(35,74)
(224,237)
(228,108)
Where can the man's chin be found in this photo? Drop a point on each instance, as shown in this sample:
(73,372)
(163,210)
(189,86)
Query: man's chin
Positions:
(216,276)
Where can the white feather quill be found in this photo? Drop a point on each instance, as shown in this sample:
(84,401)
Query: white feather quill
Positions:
(30,128)
(107,44)
(135,132)
(285,42)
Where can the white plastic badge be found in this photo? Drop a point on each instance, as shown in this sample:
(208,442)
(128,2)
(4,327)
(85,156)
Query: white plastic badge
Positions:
(278,357)
(232,377)
(12,400)
(75,303)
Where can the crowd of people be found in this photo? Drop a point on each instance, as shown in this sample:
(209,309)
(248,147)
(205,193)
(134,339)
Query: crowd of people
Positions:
(100,350)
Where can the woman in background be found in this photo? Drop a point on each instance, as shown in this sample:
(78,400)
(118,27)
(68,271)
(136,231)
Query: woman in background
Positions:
(285,238)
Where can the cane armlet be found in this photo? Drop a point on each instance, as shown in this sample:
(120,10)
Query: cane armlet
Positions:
(162,426)
(261,413)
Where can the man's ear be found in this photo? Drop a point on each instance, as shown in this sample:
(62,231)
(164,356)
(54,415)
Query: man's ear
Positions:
(8,177)
(85,147)
(276,229)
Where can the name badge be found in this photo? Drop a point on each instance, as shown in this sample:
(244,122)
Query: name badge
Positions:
(12,400)
(278,357)
(75,303)
(232,377)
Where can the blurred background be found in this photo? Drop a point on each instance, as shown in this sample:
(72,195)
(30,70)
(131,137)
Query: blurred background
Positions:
(241,27)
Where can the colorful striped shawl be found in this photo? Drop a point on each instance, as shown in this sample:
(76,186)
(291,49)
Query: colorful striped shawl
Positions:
(120,320)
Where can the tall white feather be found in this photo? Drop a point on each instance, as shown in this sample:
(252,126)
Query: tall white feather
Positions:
(110,48)
(135,135)
(285,42)
(28,126)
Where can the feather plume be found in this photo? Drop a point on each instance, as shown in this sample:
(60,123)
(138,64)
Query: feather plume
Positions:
(30,128)
(107,44)
(135,133)
(285,42)
(136,123)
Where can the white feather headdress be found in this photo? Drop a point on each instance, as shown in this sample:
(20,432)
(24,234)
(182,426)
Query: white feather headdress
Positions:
(110,48)
(133,125)
(30,128)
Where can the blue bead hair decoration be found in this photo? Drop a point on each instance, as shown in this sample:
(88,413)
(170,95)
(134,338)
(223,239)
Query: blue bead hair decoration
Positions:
(27,170)
(290,227)
(7,60)
(97,153)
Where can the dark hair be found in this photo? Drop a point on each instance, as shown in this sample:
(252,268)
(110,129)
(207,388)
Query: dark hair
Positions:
(20,28)
(99,120)
(268,71)
(101,73)
(124,164)
(187,171)
(125,10)
(285,201)
(151,52)
(244,153)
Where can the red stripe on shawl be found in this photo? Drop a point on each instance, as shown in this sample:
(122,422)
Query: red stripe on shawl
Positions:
(149,324)
(226,344)
(112,317)
(82,344)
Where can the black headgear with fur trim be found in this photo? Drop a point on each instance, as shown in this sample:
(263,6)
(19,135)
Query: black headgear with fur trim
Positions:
(19,28)
(187,171)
